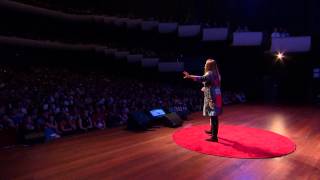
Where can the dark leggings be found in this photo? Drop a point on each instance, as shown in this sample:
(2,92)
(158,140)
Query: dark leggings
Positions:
(214,126)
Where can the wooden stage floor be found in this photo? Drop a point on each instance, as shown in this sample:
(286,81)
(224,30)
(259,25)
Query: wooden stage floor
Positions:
(119,154)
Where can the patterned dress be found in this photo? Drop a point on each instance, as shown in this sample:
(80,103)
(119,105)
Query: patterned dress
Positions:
(212,93)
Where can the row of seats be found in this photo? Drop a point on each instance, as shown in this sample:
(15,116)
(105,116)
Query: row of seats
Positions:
(117,54)
(206,34)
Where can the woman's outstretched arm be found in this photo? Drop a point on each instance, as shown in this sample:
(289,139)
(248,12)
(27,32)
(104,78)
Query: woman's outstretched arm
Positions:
(196,78)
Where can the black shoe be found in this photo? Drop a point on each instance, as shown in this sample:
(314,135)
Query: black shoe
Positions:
(207,131)
(212,139)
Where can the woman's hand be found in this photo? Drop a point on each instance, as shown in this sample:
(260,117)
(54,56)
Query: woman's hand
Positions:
(202,89)
(186,75)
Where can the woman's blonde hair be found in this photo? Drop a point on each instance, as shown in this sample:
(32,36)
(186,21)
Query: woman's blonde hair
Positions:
(210,65)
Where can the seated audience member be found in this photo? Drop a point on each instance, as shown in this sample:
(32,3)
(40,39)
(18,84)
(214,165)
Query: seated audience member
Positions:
(227,98)
(242,28)
(98,119)
(29,125)
(241,97)
(275,33)
(40,122)
(284,33)
(17,117)
(85,122)
(73,122)
(114,118)
(65,126)
(123,117)
(7,122)
(245,29)
(51,129)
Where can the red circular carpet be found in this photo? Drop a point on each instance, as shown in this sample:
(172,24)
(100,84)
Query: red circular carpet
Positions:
(235,142)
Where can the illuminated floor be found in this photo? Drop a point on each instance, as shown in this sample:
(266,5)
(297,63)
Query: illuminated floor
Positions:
(120,154)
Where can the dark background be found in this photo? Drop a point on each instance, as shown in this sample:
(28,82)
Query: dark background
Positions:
(296,15)
(249,69)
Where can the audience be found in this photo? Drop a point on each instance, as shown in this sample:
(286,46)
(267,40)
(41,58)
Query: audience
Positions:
(242,28)
(280,33)
(275,33)
(63,102)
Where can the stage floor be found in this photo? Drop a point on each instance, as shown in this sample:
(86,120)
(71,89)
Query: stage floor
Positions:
(119,154)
